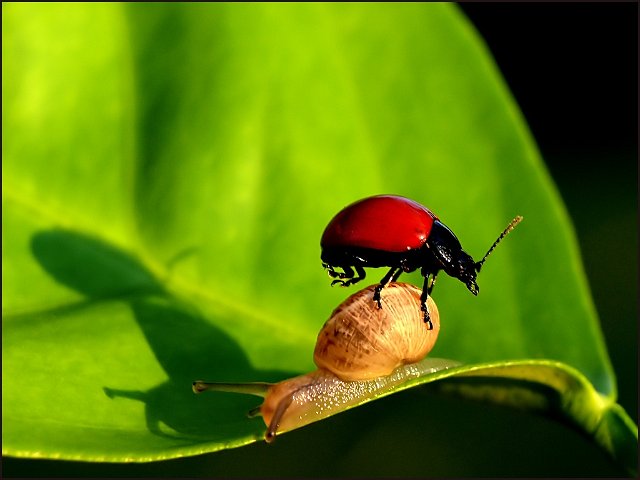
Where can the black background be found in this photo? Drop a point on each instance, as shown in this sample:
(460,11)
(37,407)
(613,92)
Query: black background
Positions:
(573,69)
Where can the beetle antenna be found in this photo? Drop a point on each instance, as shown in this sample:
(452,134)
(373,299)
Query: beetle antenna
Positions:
(506,231)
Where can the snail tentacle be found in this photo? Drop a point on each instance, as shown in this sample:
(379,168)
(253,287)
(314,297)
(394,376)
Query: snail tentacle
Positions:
(259,389)
(282,407)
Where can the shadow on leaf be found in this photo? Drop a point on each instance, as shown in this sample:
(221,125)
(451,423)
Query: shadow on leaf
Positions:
(186,345)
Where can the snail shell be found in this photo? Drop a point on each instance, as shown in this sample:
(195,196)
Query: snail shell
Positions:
(361,341)
(362,352)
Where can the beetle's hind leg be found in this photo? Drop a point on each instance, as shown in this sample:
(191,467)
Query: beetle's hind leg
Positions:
(391,276)
(360,274)
(347,273)
(347,276)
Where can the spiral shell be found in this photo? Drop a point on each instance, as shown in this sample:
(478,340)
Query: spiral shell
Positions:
(361,342)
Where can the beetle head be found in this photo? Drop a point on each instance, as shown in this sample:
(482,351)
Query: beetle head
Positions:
(467,271)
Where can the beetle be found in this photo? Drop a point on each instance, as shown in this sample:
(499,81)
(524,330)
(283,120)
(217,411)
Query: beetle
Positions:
(394,231)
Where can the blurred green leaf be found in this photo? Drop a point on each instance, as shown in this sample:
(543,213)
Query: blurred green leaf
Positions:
(168,170)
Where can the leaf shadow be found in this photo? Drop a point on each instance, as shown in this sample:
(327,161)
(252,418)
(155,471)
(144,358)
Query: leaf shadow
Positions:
(186,345)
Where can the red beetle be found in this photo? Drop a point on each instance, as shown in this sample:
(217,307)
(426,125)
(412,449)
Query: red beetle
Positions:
(393,231)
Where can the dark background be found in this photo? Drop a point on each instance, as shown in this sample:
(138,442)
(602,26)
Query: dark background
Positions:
(573,71)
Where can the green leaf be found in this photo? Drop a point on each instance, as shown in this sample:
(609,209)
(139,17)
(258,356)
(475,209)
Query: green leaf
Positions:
(168,170)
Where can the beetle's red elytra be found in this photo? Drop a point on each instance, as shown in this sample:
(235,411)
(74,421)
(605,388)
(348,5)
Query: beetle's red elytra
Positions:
(394,231)
(385,222)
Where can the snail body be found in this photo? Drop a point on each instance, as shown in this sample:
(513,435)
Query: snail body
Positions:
(361,352)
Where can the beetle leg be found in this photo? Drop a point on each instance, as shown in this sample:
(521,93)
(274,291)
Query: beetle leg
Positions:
(396,275)
(346,273)
(391,276)
(432,283)
(360,274)
(346,277)
(429,282)
(331,271)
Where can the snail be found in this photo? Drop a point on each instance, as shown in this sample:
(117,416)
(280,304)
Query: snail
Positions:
(361,353)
